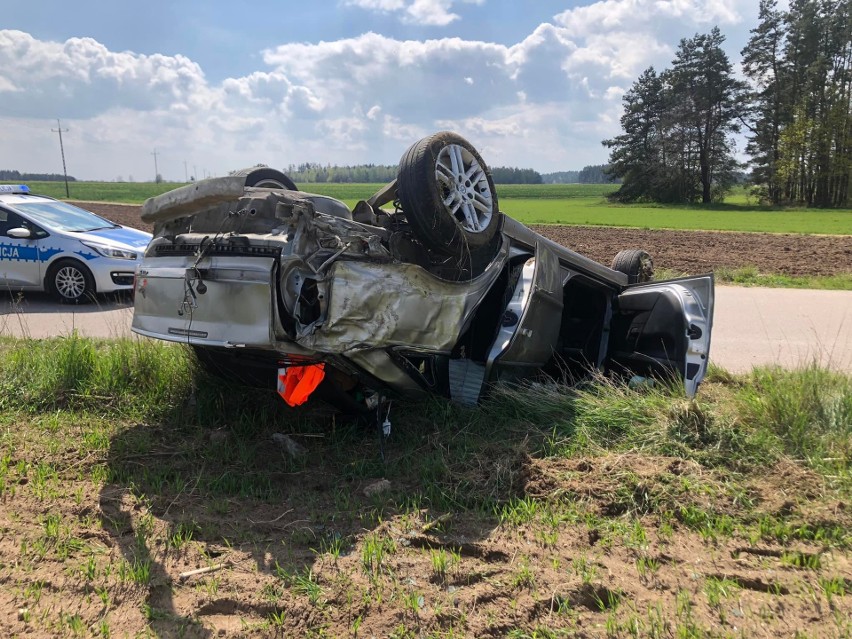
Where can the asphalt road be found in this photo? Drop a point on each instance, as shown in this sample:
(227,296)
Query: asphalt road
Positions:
(751,325)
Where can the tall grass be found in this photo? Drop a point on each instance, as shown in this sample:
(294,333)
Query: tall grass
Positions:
(119,376)
(738,423)
(809,410)
(607,416)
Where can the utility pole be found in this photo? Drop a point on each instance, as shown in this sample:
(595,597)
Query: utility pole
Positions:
(60,130)
(185,172)
(156,170)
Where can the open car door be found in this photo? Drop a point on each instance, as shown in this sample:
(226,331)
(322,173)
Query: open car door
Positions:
(663,328)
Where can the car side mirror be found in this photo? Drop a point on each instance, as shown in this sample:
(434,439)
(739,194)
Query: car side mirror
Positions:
(20,233)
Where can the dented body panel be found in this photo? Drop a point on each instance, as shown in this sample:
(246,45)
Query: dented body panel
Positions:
(277,278)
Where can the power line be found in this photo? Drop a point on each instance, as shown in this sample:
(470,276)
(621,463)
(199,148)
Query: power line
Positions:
(60,130)
(156,170)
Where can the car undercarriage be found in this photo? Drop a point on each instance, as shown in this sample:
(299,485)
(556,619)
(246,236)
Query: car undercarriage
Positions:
(425,288)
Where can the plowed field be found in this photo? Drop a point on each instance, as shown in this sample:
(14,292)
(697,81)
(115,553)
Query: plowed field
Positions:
(690,252)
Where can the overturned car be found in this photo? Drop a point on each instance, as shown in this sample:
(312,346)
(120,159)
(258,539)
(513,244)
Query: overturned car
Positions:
(427,287)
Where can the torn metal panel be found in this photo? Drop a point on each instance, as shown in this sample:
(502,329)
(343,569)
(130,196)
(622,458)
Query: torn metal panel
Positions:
(192,199)
(371,305)
(382,367)
(533,342)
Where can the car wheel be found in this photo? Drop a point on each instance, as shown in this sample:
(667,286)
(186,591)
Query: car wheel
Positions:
(266,178)
(636,264)
(70,282)
(447,194)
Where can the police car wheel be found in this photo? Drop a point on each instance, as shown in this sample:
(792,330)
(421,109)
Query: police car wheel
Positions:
(70,282)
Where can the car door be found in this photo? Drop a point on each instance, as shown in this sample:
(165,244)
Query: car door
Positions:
(20,265)
(663,328)
(529,328)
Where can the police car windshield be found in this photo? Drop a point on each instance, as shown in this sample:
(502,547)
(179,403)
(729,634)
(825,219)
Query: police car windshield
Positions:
(62,216)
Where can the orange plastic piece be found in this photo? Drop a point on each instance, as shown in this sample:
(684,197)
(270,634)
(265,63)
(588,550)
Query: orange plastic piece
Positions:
(297,384)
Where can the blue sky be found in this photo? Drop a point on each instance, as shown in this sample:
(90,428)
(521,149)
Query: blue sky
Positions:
(214,86)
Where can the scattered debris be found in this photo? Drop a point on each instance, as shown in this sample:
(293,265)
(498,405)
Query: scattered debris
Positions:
(380,486)
(439,521)
(202,571)
(291,446)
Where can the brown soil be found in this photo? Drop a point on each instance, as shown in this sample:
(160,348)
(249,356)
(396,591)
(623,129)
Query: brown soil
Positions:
(690,252)
(266,569)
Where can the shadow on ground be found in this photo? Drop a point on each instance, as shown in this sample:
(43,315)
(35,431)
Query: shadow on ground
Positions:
(231,526)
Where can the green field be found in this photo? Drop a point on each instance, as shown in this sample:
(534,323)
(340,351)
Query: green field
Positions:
(137,192)
(582,204)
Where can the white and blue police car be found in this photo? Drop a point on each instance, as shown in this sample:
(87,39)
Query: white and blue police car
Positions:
(50,245)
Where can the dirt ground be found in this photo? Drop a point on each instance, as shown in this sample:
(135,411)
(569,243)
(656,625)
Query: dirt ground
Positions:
(148,554)
(691,252)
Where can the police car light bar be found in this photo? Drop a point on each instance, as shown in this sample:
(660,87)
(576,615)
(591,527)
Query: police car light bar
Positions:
(14,188)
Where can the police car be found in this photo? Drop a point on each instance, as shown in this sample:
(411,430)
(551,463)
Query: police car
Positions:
(49,245)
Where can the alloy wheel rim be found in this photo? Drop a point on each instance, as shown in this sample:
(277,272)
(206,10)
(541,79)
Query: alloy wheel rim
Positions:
(70,282)
(464,188)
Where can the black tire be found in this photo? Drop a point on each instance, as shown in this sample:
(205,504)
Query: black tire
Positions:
(470,221)
(70,282)
(266,178)
(636,264)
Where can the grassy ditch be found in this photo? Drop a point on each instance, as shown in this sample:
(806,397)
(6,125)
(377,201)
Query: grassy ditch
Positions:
(751,276)
(141,497)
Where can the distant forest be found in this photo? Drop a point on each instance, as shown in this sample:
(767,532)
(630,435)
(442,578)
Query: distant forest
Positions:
(16,176)
(381,173)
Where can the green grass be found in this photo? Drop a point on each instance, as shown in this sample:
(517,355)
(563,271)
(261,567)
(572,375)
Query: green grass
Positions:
(123,376)
(121,192)
(745,422)
(573,204)
(87,444)
(742,218)
(749,276)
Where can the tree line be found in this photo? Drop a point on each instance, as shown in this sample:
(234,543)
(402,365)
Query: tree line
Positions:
(383,173)
(8,175)
(795,109)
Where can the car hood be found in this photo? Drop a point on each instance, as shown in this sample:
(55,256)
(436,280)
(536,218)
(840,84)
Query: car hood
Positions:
(120,237)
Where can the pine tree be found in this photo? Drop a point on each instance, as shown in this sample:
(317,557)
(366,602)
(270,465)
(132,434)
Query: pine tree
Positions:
(763,63)
(707,100)
(675,146)
(815,144)
(635,153)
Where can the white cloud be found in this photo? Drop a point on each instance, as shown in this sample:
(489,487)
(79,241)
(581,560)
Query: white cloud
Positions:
(85,77)
(377,5)
(7,86)
(662,15)
(430,12)
(437,13)
(546,101)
